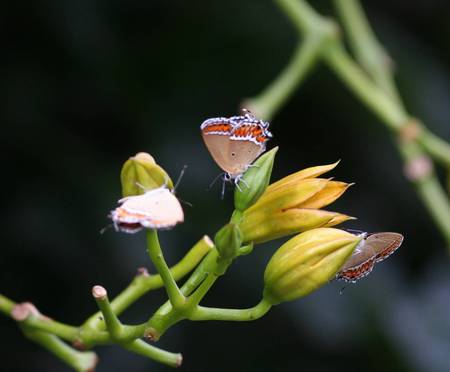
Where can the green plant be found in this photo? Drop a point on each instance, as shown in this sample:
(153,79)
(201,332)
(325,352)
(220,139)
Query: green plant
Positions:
(262,212)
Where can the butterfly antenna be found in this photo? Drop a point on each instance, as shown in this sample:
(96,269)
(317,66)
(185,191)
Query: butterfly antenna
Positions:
(341,291)
(247,112)
(104,229)
(238,187)
(214,181)
(355,232)
(223,186)
(244,182)
(183,170)
(185,202)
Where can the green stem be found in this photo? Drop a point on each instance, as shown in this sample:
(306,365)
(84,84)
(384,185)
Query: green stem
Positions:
(268,102)
(391,111)
(142,348)
(377,63)
(142,284)
(301,14)
(200,273)
(435,146)
(369,52)
(113,325)
(430,191)
(42,323)
(356,79)
(201,281)
(6,305)
(377,90)
(234,315)
(37,321)
(165,314)
(218,269)
(79,361)
(176,298)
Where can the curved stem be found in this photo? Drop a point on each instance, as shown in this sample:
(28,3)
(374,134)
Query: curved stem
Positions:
(78,360)
(357,80)
(376,88)
(234,315)
(142,348)
(369,52)
(42,323)
(267,103)
(144,283)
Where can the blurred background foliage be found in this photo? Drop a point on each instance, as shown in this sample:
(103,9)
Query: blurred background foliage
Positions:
(86,84)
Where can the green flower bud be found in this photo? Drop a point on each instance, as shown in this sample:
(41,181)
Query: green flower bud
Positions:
(254,181)
(228,241)
(140,173)
(306,262)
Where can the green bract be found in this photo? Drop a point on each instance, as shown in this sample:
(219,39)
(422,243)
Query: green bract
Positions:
(254,181)
(228,240)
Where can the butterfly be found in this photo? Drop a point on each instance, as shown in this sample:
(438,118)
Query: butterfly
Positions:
(155,209)
(235,142)
(373,248)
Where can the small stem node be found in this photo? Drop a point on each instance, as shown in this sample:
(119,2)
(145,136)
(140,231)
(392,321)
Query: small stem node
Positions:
(21,312)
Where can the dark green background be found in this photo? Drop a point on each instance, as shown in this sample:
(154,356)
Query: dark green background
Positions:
(86,84)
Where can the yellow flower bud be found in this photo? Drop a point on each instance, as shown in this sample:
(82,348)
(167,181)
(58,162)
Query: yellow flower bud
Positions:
(306,262)
(293,205)
(140,173)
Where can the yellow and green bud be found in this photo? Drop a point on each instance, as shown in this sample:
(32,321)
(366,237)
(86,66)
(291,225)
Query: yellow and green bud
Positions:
(306,262)
(254,181)
(292,205)
(140,173)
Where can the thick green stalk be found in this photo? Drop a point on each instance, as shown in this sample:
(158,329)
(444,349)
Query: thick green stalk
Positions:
(6,305)
(373,57)
(113,325)
(375,87)
(360,84)
(142,348)
(267,103)
(64,331)
(144,283)
(78,360)
(368,51)
(234,315)
(176,298)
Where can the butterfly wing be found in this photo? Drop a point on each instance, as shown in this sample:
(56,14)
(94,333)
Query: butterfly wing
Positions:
(216,135)
(156,209)
(384,244)
(247,143)
(374,248)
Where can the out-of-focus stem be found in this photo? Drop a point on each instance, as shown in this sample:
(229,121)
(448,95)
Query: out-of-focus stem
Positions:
(268,102)
(78,360)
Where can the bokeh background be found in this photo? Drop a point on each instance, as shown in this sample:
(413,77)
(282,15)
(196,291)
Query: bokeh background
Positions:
(85,84)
